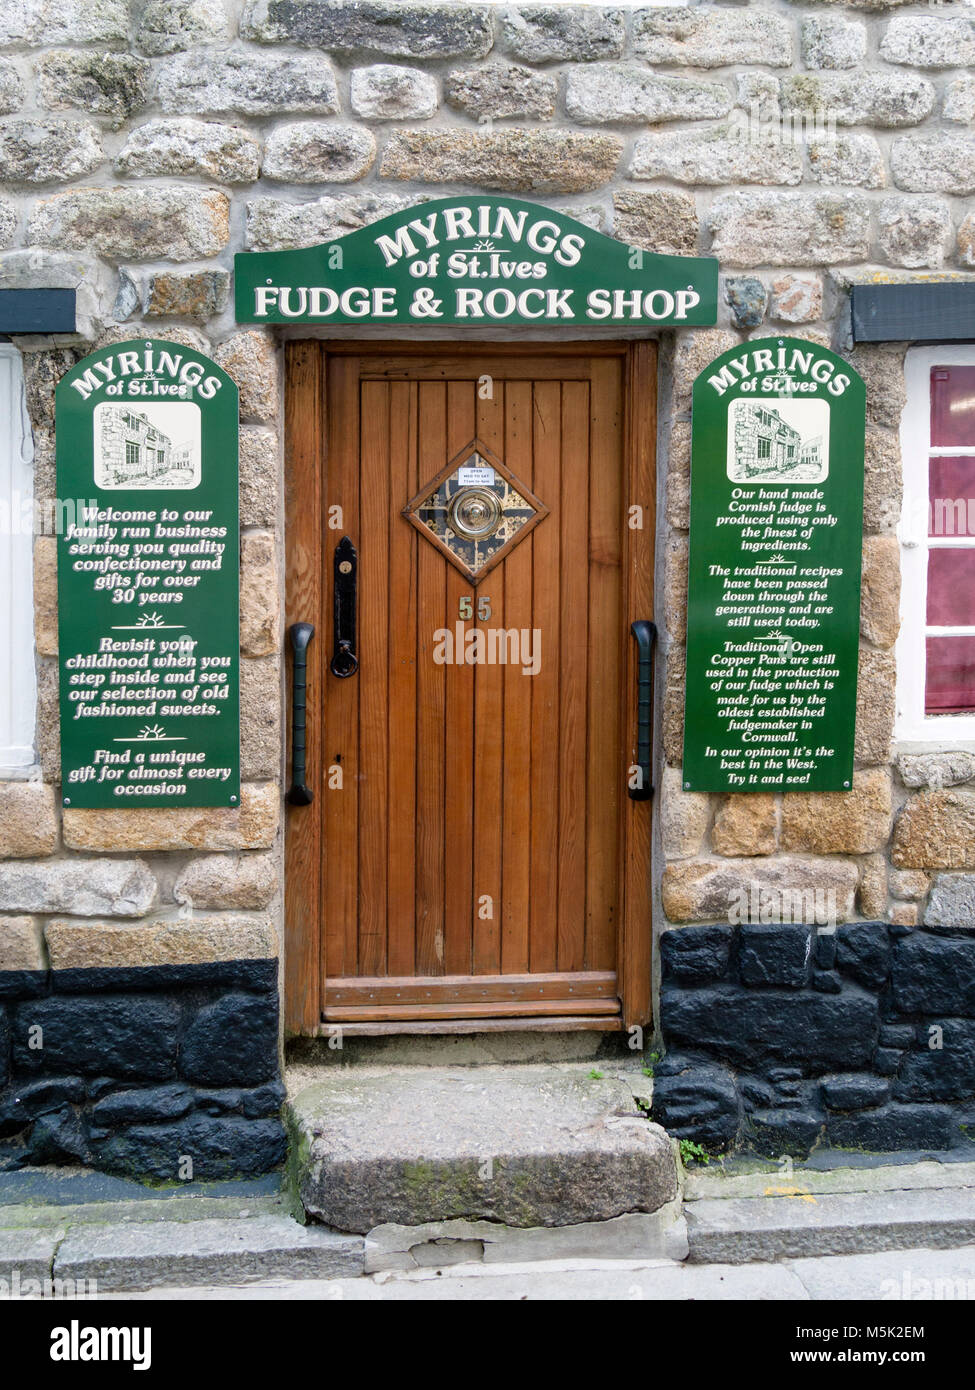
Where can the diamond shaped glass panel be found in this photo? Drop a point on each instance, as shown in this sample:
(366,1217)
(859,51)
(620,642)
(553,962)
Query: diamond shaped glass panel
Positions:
(475,510)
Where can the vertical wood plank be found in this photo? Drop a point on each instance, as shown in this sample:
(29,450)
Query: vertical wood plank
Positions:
(341,725)
(403,483)
(640,444)
(374,637)
(459,735)
(546,544)
(489,737)
(574,676)
(605,760)
(430,706)
(516,813)
(304,455)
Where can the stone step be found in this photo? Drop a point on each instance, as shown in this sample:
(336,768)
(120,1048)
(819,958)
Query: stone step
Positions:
(520,1146)
(738,1230)
(28,1253)
(142,1255)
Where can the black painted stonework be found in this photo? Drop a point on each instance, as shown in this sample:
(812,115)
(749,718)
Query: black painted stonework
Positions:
(782,1039)
(139,1070)
(4,1048)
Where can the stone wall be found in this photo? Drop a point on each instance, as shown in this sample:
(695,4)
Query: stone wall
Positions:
(782,1039)
(142,144)
(161,1072)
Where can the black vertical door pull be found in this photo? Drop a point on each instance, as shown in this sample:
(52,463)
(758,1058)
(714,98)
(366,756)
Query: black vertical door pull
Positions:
(344,567)
(645,634)
(301,634)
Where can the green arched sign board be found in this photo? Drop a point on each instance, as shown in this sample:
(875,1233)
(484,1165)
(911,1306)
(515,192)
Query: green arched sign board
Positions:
(476,262)
(773,610)
(148,560)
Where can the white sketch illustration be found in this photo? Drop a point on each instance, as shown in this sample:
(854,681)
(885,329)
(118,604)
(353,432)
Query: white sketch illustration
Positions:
(147,446)
(778,441)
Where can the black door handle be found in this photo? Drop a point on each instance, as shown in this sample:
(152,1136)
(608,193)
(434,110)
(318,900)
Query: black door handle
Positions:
(301,634)
(344,567)
(645,633)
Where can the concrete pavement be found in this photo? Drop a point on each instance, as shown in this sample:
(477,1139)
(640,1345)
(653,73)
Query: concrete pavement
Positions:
(891,1276)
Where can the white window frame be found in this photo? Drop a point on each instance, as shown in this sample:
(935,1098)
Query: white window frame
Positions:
(912,726)
(18,677)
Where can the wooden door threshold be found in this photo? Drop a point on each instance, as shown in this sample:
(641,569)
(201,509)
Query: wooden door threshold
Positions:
(444,1003)
(566,1023)
(561,993)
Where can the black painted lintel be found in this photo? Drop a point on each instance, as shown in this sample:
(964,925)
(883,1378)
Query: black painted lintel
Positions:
(37,311)
(919,312)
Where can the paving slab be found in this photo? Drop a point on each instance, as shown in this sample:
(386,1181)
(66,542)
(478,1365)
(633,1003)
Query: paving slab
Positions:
(570,1281)
(66,1186)
(142,1255)
(29,1253)
(913,1276)
(172,1209)
(737,1230)
(708,1183)
(520,1145)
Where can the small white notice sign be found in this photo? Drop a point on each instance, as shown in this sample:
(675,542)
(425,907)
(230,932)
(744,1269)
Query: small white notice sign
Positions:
(475,477)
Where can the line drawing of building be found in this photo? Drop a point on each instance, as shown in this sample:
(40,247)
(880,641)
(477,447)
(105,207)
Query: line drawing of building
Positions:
(763,440)
(135,452)
(811,451)
(763,443)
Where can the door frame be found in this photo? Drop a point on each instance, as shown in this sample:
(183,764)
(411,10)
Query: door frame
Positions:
(305,454)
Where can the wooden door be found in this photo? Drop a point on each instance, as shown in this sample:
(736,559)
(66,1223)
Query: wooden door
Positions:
(471,858)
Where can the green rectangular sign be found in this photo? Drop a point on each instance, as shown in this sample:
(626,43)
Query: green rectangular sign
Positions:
(773,610)
(477,262)
(148,560)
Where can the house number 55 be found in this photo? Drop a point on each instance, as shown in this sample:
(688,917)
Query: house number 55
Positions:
(467,606)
